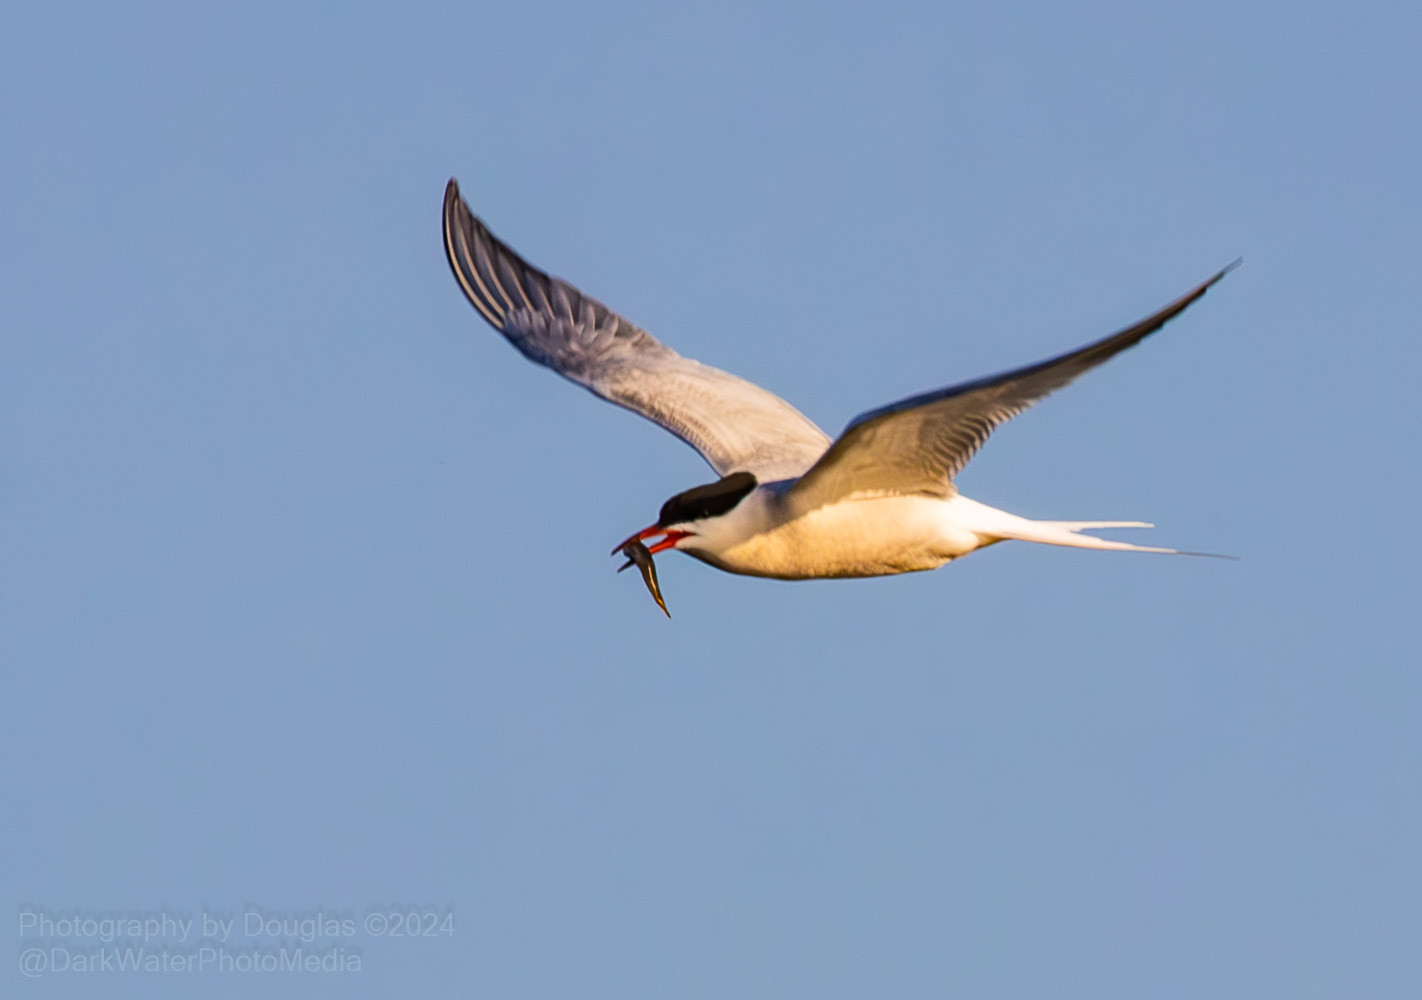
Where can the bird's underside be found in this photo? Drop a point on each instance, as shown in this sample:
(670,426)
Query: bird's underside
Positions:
(791,503)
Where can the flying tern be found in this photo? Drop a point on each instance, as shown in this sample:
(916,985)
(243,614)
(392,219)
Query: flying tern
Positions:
(790,503)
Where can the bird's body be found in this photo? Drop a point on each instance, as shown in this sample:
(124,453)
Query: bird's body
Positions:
(870,536)
(791,503)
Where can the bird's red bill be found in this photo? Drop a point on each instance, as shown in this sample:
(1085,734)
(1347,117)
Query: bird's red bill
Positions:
(672,537)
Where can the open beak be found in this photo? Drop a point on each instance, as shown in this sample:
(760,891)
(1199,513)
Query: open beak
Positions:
(668,542)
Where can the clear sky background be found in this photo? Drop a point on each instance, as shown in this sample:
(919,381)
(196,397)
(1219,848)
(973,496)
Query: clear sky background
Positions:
(305,598)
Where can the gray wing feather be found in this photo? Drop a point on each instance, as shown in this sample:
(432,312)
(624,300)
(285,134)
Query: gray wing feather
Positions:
(734,424)
(919,444)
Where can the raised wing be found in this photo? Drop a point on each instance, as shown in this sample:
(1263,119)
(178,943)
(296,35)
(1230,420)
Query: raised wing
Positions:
(919,444)
(734,424)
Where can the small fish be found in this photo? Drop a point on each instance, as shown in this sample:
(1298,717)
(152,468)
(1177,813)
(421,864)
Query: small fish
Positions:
(638,554)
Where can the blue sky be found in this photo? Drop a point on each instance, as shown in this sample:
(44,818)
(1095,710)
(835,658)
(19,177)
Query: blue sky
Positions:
(304,589)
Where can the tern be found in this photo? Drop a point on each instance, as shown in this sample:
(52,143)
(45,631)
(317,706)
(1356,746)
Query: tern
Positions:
(790,503)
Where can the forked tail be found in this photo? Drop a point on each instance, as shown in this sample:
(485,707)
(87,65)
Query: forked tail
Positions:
(1069,533)
(992,525)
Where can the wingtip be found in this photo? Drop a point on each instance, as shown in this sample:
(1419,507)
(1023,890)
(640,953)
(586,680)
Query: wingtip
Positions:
(1232,265)
(1210,282)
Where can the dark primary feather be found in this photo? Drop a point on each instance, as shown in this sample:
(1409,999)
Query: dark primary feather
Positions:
(919,444)
(549,320)
(734,424)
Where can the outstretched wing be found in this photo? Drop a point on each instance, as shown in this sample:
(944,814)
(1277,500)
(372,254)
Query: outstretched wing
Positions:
(919,444)
(734,424)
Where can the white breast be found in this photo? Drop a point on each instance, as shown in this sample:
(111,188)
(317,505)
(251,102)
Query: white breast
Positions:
(875,536)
